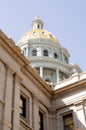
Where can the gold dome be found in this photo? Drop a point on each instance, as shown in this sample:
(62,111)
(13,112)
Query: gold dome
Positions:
(39,33)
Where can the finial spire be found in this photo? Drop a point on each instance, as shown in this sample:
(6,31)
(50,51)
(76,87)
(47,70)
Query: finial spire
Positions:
(37,17)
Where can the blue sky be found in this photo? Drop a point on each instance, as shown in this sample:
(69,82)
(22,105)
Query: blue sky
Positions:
(66,19)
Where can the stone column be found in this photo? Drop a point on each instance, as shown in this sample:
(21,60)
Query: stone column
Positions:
(41,51)
(41,72)
(57,74)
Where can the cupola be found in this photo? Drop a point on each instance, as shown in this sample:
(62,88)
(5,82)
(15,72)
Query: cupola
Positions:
(37,23)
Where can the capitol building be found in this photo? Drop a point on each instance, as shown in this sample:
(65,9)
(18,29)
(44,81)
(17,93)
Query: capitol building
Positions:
(47,56)
(39,88)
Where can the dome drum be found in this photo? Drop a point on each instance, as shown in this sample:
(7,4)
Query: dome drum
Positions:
(44,52)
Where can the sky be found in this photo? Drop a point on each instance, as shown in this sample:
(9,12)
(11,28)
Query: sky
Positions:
(66,19)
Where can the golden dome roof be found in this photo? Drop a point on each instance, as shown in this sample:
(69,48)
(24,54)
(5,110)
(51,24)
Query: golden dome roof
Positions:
(39,33)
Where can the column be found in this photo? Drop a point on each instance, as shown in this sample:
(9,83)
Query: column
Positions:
(41,72)
(57,74)
(41,51)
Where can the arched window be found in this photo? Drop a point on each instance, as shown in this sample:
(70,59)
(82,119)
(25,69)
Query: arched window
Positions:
(34,52)
(55,55)
(45,53)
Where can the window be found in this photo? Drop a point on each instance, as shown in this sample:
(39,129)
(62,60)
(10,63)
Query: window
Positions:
(68,122)
(22,106)
(34,33)
(55,55)
(38,26)
(43,33)
(34,52)
(41,121)
(45,53)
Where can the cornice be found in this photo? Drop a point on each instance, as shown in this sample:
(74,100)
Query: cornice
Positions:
(39,41)
(9,45)
(80,84)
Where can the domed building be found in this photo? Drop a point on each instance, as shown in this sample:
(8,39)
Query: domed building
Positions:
(27,102)
(46,55)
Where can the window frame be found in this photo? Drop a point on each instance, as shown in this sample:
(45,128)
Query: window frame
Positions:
(65,121)
(23,103)
(41,120)
(45,53)
(55,55)
(34,52)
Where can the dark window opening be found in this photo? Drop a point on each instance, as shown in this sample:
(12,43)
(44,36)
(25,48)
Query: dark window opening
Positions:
(68,122)
(34,53)
(41,121)
(55,55)
(22,106)
(38,26)
(45,53)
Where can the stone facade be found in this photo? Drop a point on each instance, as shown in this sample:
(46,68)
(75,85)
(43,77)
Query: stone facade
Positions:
(27,102)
